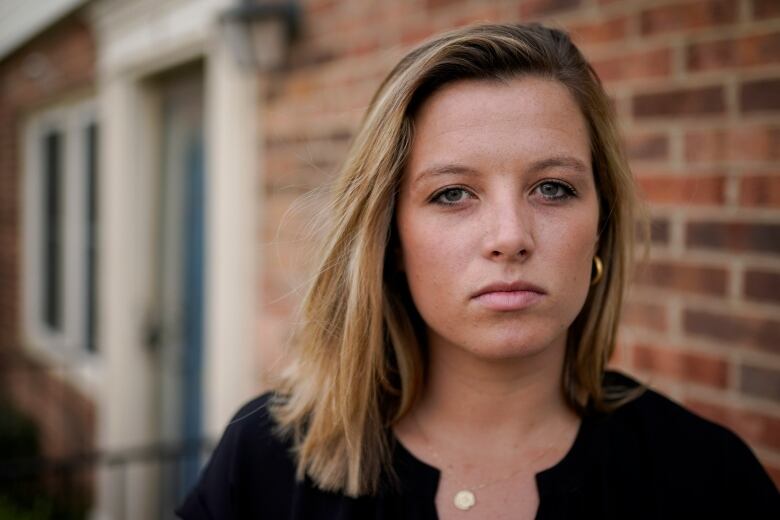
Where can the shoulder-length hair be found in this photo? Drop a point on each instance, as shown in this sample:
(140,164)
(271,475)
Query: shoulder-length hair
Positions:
(359,362)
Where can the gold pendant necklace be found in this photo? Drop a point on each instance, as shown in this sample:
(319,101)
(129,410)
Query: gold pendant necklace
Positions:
(466,498)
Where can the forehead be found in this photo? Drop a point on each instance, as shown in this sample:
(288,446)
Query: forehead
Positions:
(517,119)
(530,92)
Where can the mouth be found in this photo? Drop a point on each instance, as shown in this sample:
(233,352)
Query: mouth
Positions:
(512,296)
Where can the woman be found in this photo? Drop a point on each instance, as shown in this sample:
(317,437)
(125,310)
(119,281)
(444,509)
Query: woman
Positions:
(451,361)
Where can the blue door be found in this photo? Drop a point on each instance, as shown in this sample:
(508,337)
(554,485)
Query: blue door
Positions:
(180,280)
(193,271)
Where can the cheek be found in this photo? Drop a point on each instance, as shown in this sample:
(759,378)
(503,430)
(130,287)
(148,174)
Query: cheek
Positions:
(421,251)
(426,243)
(577,254)
(433,257)
(573,259)
(580,284)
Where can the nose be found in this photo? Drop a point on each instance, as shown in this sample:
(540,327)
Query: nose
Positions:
(509,231)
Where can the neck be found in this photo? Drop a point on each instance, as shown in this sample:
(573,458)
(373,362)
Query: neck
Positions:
(519,398)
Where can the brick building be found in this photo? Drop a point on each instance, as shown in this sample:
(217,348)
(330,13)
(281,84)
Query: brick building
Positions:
(123,336)
(52,72)
(696,85)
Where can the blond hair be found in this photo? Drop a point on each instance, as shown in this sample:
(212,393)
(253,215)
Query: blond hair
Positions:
(359,363)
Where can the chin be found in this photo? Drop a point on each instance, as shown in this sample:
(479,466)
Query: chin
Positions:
(509,350)
(511,344)
(504,338)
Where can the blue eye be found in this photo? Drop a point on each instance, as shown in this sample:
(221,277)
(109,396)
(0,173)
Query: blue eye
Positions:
(552,190)
(451,196)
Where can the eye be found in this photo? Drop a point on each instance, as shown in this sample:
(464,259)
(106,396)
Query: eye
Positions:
(555,190)
(451,196)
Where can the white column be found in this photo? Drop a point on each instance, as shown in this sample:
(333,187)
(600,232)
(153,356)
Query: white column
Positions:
(125,418)
(234,143)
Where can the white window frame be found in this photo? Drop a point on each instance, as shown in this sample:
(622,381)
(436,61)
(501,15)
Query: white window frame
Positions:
(67,346)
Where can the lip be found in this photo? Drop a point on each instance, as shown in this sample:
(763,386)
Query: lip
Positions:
(508,296)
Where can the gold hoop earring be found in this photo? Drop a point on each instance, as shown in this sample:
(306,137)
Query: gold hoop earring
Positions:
(599,265)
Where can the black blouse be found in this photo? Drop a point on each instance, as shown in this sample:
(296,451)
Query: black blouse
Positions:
(650,458)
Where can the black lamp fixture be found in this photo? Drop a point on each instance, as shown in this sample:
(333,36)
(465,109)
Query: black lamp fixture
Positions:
(260,30)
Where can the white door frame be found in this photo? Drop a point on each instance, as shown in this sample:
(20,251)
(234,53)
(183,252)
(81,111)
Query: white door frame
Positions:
(129,52)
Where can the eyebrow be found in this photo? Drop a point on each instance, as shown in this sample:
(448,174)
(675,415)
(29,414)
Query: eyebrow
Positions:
(556,161)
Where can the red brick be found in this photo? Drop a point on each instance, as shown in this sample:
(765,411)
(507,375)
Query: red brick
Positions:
(668,189)
(742,52)
(639,65)
(756,428)
(683,277)
(647,147)
(683,366)
(680,103)
(762,285)
(760,95)
(760,382)
(483,14)
(618,357)
(733,330)
(765,9)
(645,315)
(688,15)
(435,4)
(756,143)
(277,297)
(733,236)
(760,191)
(601,31)
(321,7)
(658,231)
(50,402)
(360,47)
(68,50)
(534,8)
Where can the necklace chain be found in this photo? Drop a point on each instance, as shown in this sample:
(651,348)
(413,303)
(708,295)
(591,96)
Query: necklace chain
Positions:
(465,498)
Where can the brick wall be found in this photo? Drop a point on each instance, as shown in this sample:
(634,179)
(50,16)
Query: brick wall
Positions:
(56,65)
(697,87)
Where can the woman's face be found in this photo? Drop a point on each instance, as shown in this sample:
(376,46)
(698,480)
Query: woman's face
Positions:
(498,216)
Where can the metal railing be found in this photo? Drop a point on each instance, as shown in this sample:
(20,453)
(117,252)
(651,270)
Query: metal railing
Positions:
(74,487)
(143,482)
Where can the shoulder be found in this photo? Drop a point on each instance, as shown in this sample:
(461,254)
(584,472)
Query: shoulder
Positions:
(251,439)
(652,412)
(253,431)
(251,455)
(664,425)
(681,452)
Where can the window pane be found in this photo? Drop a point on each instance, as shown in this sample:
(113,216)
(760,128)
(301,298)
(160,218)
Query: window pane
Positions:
(92,219)
(52,230)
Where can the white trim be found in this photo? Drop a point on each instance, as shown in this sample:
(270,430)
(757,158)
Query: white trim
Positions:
(234,167)
(64,348)
(129,57)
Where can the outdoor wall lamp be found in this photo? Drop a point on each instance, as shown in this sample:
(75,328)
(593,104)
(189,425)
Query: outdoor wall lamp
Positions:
(259,31)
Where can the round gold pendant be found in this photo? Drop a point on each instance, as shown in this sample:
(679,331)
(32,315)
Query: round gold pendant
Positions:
(464,500)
